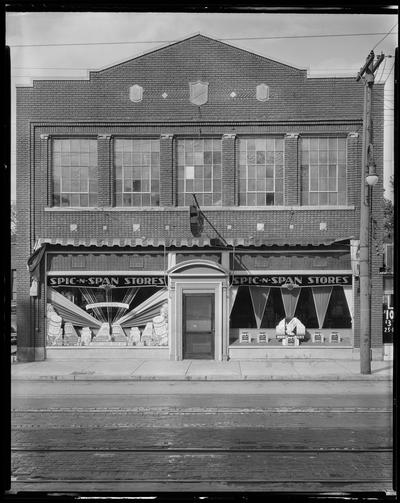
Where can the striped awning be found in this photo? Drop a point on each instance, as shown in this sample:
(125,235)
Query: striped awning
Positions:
(184,242)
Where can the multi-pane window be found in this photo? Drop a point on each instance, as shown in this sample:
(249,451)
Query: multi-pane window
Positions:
(199,171)
(74,165)
(137,172)
(260,171)
(323,171)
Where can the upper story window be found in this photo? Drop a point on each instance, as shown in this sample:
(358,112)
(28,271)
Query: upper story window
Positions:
(260,171)
(323,171)
(137,172)
(388,256)
(199,171)
(74,169)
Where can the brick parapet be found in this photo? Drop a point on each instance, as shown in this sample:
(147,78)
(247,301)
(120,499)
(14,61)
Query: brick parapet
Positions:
(228,70)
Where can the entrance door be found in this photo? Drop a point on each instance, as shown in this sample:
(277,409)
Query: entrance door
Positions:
(198,325)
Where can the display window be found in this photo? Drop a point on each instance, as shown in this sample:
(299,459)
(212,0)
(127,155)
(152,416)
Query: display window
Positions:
(305,309)
(242,313)
(107,315)
(274,310)
(337,313)
(316,308)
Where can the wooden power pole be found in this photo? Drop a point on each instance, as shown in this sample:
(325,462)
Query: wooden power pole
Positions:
(368,179)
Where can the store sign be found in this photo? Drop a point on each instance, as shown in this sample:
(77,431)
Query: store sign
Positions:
(103,281)
(293,280)
(388,318)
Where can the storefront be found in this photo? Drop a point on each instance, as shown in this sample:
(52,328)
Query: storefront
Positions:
(200,304)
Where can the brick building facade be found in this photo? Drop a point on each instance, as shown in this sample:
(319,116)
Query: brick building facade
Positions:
(105,172)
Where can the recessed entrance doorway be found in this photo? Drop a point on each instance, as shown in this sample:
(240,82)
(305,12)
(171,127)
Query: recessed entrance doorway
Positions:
(198,326)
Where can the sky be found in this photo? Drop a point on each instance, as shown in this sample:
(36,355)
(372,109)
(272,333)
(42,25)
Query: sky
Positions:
(47,45)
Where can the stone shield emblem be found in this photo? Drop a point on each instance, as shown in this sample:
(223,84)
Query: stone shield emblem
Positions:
(198,92)
(136,93)
(262,92)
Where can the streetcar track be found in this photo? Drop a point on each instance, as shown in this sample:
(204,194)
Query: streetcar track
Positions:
(322,450)
(206,410)
(205,481)
(331,465)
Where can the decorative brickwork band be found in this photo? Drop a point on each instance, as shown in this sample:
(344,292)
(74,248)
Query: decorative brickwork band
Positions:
(292,170)
(229,181)
(167,172)
(105,170)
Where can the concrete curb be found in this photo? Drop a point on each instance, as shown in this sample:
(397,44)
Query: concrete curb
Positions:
(210,378)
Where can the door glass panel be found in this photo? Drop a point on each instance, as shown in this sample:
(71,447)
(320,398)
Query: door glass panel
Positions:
(198,313)
(198,325)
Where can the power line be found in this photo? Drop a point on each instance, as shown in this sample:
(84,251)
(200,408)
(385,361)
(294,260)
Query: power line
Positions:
(350,68)
(387,34)
(220,39)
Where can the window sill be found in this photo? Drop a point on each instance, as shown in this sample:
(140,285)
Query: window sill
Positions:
(205,208)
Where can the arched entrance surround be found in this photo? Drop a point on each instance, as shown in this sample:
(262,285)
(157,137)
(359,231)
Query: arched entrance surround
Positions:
(198,318)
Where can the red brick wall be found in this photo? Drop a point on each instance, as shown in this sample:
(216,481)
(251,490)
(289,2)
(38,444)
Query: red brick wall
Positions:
(102,106)
(169,70)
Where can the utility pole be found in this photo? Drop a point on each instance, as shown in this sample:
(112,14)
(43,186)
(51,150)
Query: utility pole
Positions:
(368,180)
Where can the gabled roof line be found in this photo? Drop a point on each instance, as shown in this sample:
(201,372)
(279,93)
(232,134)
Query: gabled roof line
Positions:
(197,34)
(145,53)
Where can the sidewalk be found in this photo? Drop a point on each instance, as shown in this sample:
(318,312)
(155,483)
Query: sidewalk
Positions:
(200,370)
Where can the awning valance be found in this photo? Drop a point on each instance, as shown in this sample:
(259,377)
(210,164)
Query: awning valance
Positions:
(185,242)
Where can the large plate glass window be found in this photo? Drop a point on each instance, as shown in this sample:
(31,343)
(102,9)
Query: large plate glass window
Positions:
(106,315)
(137,172)
(199,171)
(74,170)
(261,161)
(323,171)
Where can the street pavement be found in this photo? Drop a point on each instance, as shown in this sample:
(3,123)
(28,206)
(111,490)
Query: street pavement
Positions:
(188,435)
(235,370)
(194,425)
